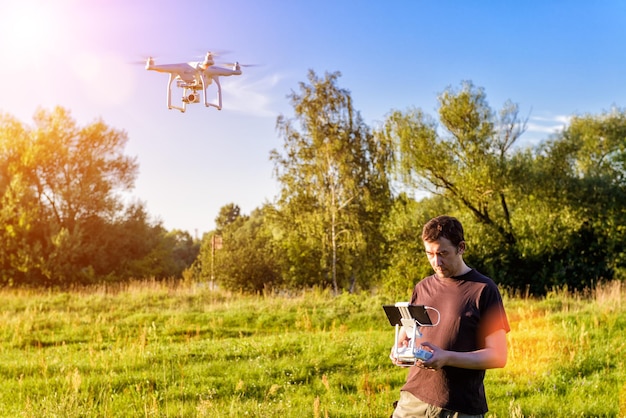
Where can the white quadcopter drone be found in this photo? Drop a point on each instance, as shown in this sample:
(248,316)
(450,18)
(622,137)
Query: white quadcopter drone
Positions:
(193,77)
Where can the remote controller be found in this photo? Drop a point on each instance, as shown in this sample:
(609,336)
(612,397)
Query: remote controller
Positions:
(422,354)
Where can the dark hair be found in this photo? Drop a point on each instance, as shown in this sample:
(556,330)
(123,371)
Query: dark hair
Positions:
(443,227)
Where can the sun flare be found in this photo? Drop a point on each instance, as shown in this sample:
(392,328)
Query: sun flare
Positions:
(30,28)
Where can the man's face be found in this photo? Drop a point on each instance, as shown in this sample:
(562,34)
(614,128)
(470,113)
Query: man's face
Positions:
(445,259)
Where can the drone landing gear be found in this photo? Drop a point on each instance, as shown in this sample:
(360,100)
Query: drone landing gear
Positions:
(169,96)
(191,93)
(218,106)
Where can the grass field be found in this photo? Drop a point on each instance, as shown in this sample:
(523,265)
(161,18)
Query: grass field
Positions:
(157,350)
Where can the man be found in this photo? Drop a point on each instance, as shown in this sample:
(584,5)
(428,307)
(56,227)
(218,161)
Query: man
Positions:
(470,337)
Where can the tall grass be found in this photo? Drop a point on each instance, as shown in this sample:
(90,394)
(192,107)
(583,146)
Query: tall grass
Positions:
(566,356)
(187,350)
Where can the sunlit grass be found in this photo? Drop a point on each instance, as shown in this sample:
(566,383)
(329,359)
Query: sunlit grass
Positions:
(154,349)
(566,356)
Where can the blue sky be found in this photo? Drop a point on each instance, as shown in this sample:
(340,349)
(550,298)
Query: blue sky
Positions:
(554,59)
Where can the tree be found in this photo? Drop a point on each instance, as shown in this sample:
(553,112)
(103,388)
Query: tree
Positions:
(247,259)
(134,247)
(183,251)
(334,188)
(227,215)
(79,170)
(535,218)
(63,217)
(468,161)
(403,231)
(583,169)
(241,254)
(21,240)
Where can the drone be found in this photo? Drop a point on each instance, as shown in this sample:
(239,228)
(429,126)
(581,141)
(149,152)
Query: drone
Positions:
(193,77)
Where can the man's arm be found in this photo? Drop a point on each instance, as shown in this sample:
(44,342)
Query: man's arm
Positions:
(493,356)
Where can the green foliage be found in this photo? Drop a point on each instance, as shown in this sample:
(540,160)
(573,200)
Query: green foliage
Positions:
(580,172)
(240,255)
(403,231)
(468,162)
(534,218)
(334,189)
(247,260)
(63,219)
(160,349)
(228,214)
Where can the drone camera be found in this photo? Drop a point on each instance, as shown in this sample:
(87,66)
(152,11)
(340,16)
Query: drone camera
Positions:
(192,98)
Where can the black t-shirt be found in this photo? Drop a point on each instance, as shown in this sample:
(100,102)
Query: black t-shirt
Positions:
(471,308)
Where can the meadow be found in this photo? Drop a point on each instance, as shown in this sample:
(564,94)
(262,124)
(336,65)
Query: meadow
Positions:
(187,350)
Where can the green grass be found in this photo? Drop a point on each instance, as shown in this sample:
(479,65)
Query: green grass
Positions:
(156,350)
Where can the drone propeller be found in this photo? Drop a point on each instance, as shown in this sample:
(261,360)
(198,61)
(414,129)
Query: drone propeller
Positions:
(211,54)
(144,60)
(232,64)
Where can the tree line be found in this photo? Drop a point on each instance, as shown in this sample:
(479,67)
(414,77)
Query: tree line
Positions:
(346,216)
(63,220)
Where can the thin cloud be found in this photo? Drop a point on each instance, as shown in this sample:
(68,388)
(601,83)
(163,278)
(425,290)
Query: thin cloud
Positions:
(539,128)
(562,119)
(543,129)
(254,97)
(547,125)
